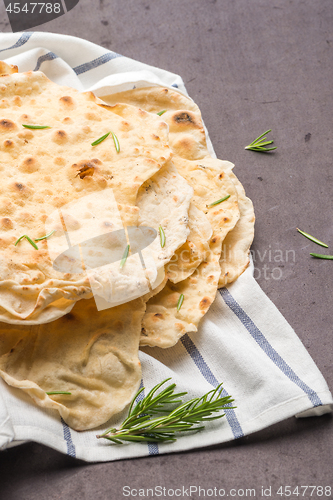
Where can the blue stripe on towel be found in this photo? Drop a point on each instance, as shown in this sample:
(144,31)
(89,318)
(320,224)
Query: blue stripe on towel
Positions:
(266,346)
(21,41)
(210,377)
(83,68)
(46,57)
(68,438)
(152,447)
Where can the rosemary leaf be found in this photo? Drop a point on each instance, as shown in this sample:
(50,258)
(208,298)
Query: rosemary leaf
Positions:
(218,201)
(160,113)
(101,139)
(116,441)
(312,238)
(27,238)
(116,142)
(180,301)
(321,256)
(146,424)
(46,236)
(50,393)
(259,144)
(35,127)
(125,255)
(162,236)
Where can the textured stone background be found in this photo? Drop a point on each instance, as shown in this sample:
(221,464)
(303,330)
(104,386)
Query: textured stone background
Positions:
(250,66)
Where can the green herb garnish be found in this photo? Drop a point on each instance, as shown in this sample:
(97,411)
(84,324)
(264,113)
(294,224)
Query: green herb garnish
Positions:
(150,420)
(116,142)
(27,238)
(160,113)
(321,256)
(218,201)
(162,236)
(50,393)
(125,255)
(180,301)
(35,127)
(101,139)
(259,145)
(46,236)
(312,238)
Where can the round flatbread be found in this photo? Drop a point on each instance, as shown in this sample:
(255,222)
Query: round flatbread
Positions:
(46,176)
(96,361)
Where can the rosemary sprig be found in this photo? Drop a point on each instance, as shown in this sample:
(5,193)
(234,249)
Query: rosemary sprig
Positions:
(101,139)
(312,238)
(46,236)
(145,424)
(180,301)
(27,238)
(218,201)
(160,113)
(50,393)
(162,236)
(116,142)
(35,127)
(125,255)
(322,256)
(259,144)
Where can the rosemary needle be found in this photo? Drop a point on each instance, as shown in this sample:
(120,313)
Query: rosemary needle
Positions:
(180,301)
(160,113)
(321,256)
(46,236)
(125,255)
(27,238)
(162,236)
(218,201)
(152,419)
(50,393)
(116,142)
(35,127)
(101,139)
(312,238)
(259,144)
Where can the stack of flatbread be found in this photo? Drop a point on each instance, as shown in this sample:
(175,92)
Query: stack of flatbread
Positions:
(72,318)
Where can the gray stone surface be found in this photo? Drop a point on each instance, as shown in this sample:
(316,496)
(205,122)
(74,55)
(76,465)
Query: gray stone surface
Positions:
(250,66)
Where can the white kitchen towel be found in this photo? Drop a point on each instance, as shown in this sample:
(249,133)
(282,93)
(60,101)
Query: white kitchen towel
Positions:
(243,341)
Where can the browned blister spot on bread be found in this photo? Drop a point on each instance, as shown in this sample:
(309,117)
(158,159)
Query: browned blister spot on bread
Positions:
(20,190)
(205,303)
(7,125)
(6,224)
(4,103)
(17,100)
(67,102)
(183,117)
(8,143)
(25,134)
(84,169)
(60,136)
(29,165)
